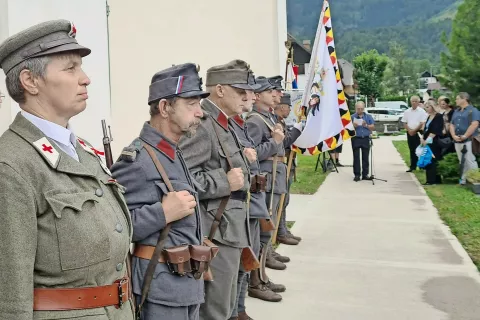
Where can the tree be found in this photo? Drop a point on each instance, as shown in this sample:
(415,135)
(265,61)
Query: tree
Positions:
(460,66)
(369,70)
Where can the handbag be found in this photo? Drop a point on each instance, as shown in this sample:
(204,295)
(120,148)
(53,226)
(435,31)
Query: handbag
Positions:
(445,142)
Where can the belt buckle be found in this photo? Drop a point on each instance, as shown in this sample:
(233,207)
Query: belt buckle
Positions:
(121,293)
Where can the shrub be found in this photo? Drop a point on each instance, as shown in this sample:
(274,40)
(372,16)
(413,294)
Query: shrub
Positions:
(449,166)
(473,176)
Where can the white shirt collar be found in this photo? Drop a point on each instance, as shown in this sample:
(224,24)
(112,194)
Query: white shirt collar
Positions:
(52,130)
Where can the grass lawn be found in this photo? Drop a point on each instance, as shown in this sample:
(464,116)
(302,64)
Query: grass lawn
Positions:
(308,180)
(458,207)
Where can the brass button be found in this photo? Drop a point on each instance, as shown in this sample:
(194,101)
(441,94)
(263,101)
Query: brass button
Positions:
(119,267)
(119,227)
(99,192)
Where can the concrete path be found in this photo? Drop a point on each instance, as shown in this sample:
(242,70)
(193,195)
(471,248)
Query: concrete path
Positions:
(372,252)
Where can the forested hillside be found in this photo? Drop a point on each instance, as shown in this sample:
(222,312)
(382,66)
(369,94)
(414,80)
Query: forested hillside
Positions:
(360,25)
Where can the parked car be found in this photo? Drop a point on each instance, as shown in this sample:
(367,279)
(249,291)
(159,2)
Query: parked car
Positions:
(399,105)
(385,114)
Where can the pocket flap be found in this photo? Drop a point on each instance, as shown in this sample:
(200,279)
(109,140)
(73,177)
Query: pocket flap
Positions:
(162,186)
(201,253)
(75,201)
(178,255)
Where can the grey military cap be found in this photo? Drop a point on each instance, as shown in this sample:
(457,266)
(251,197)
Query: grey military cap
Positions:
(264,84)
(43,39)
(236,73)
(178,81)
(286,99)
(276,82)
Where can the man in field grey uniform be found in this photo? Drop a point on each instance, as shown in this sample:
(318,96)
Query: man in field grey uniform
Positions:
(216,179)
(175,111)
(282,111)
(261,124)
(257,208)
(65,229)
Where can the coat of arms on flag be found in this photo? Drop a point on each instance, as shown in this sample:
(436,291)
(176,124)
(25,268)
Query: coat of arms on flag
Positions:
(328,121)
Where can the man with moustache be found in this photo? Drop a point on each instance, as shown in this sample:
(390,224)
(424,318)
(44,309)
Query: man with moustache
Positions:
(221,171)
(257,208)
(268,137)
(175,112)
(65,229)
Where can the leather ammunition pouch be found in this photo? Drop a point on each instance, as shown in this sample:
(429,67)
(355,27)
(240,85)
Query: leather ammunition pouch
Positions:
(183,259)
(249,260)
(258,183)
(267,225)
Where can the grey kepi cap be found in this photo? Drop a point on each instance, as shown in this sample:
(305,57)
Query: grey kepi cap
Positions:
(264,84)
(178,81)
(276,82)
(236,73)
(286,99)
(43,39)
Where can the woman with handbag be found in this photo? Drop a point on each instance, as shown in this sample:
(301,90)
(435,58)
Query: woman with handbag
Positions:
(433,131)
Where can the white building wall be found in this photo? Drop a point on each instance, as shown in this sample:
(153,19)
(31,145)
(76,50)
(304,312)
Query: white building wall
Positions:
(89,17)
(150,35)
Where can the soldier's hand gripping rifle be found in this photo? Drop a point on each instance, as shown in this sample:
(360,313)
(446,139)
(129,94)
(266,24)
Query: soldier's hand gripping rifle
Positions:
(107,139)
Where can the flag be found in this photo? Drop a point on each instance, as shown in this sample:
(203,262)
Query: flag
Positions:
(328,123)
(291,81)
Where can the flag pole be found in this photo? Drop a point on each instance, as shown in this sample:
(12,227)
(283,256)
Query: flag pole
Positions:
(304,103)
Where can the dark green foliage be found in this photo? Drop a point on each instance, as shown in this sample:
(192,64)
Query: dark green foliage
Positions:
(449,166)
(461,67)
(361,25)
(369,69)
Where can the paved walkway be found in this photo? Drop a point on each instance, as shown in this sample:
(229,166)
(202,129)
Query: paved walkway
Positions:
(372,252)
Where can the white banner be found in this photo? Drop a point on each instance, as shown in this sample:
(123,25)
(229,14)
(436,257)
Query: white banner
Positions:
(328,121)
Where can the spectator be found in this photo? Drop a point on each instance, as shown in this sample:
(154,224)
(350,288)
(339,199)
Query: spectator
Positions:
(444,103)
(464,126)
(413,121)
(432,132)
(361,141)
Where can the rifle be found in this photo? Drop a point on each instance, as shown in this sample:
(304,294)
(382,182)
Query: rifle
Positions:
(107,139)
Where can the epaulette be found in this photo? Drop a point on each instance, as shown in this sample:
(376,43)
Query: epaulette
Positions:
(130,153)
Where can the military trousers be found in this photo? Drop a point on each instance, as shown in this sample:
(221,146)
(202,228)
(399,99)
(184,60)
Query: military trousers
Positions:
(282,229)
(153,311)
(242,275)
(283,219)
(221,294)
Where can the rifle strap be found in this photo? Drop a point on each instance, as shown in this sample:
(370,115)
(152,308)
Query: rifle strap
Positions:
(148,277)
(263,119)
(224,202)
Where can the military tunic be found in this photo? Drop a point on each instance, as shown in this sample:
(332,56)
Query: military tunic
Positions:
(257,210)
(145,189)
(63,224)
(207,162)
(261,134)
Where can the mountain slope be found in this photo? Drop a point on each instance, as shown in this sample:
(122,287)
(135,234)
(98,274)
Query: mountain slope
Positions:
(361,25)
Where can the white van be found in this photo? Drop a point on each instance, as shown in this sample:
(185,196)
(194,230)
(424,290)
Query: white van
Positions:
(385,114)
(402,105)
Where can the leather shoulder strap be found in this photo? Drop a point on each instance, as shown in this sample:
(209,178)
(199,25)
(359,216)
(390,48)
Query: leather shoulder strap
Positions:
(263,119)
(224,202)
(148,277)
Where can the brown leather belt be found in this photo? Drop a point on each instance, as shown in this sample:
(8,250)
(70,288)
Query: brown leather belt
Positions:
(146,252)
(49,299)
(279,159)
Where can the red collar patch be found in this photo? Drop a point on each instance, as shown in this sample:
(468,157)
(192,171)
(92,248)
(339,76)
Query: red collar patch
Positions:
(239,120)
(222,120)
(167,149)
